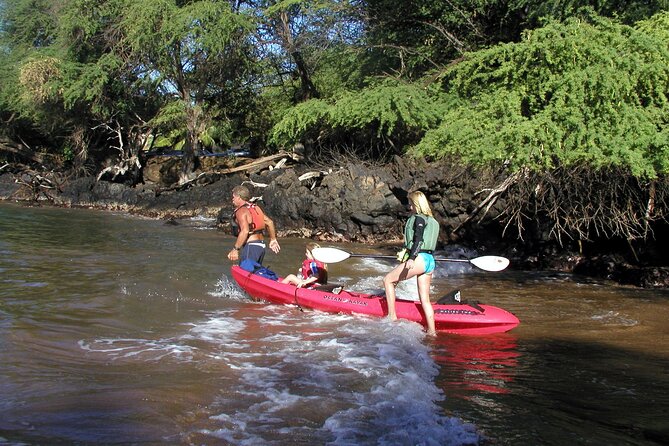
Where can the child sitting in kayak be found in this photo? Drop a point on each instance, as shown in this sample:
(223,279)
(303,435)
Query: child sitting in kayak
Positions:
(312,272)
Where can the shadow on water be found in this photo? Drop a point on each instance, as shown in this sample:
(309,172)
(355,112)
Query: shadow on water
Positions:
(555,392)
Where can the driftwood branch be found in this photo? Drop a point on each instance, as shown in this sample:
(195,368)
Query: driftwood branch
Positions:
(20,150)
(36,183)
(121,168)
(258,164)
(279,165)
(254,184)
(309,175)
(315,176)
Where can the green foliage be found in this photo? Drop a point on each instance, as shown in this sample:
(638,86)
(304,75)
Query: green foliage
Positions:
(578,92)
(68,153)
(29,23)
(204,73)
(415,36)
(340,69)
(625,11)
(306,118)
(389,110)
(657,26)
(89,28)
(93,84)
(27,28)
(388,107)
(172,40)
(172,114)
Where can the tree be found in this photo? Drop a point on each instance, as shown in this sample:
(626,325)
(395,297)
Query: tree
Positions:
(416,36)
(587,97)
(26,26)
(192,56)
(66,80)
(295,36)
(579,92)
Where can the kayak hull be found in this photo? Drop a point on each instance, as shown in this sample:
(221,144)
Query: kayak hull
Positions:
(458,318)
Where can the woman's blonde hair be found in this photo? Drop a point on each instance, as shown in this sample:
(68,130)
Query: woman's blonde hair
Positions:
(420,203)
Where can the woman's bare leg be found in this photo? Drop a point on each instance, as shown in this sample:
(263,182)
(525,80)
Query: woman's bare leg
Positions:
(397,274)
(389,283)
(424,281)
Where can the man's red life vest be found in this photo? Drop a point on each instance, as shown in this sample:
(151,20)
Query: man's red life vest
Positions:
(257,225)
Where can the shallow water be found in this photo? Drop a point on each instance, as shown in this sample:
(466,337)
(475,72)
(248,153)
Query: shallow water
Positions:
(118,330)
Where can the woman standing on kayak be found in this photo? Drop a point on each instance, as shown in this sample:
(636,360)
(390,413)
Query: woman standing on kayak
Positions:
(420,239)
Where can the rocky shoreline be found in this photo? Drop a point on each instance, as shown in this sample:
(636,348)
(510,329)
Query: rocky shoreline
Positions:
(353,201)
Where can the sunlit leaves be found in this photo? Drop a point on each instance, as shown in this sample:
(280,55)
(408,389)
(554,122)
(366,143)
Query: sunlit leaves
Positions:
(29,23)
(172,39)
(383,111)
(387,107)
(625,11)
(306,117)
(568,93)
(38,78)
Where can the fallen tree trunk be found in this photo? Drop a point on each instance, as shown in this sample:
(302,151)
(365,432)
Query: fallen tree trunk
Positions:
(257,165)
(253,167)
(20,150)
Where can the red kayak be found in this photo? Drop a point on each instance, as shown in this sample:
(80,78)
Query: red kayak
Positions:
(475,319)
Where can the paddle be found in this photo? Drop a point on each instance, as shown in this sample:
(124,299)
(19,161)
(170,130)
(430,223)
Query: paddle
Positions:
(334,255)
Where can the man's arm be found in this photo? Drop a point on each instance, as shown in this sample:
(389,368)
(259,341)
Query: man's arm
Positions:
(242,217)
(273,243)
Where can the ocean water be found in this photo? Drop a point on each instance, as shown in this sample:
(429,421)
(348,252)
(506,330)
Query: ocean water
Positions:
(122,330)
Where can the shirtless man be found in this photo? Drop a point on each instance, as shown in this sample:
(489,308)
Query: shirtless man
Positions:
(248,224)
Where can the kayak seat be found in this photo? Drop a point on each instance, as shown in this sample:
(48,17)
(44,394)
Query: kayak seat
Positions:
(454,298)
(451,298)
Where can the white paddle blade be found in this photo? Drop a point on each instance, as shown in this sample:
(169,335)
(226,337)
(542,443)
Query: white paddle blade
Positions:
(490,263)
(330,255)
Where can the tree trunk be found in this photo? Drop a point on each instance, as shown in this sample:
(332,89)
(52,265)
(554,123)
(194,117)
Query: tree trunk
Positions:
(191,144)
(307,88)
(20,150)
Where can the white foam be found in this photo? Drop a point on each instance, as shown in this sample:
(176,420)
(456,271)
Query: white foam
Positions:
(228,289)
(322,378)
(363,382)
(202,218)
(615,318)
(140,349)
(216,329)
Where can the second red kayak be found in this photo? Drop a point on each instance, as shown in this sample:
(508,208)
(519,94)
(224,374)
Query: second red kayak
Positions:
(452,318)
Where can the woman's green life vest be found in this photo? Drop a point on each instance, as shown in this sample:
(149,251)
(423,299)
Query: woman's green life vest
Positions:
(430,233)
